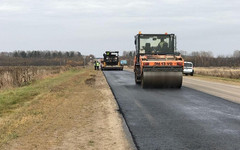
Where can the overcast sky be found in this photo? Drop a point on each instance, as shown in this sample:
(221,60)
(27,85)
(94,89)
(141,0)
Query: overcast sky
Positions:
(93,26)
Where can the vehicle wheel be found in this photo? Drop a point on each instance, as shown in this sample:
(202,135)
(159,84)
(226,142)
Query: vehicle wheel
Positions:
(137,81)
(179,86)
(142,82)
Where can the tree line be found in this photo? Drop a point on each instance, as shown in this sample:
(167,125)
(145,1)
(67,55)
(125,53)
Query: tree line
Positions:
(129,56)
(199,58)
(43,58)
(206,59)
(45,54)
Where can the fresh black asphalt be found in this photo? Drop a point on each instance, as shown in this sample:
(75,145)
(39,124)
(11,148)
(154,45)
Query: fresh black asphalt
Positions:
(175,119)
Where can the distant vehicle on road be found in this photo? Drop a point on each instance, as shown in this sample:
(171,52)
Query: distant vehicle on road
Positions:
(188,68)
(123,62)
(111,61)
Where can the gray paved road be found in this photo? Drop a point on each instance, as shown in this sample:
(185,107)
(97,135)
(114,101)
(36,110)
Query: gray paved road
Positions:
(223,90)
(175,119)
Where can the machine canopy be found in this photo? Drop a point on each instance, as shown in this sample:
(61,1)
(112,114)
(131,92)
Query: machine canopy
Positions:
(156,44)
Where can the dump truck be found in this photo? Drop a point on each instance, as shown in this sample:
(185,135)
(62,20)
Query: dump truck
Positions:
(156,64)
(111,61)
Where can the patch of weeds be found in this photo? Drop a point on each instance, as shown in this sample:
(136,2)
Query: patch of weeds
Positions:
(36,112)
(13,135)
(91,143)
(90,81)
(60,94)
(93,75)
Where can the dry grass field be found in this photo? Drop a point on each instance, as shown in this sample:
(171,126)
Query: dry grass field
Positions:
(223,72)
(23,75)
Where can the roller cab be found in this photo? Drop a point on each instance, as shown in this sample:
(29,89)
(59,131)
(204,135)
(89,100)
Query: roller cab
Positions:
(156,65)
(111,61)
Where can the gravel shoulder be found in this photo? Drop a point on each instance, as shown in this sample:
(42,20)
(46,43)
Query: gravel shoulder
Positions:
(225,90)
(80,113)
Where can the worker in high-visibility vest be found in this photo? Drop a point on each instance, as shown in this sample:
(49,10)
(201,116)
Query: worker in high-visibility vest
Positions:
(98,64)
(95,65)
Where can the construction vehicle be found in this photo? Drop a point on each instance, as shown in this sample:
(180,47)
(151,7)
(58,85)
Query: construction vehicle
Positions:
(156,63)
(111,61)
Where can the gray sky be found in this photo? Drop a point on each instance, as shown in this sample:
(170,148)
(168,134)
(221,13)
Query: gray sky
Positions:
(93,26)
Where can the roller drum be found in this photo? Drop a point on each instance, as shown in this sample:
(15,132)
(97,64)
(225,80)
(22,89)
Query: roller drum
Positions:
(161,79)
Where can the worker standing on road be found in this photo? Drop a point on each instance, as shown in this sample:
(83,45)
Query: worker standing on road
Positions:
(98,64)
(95,65)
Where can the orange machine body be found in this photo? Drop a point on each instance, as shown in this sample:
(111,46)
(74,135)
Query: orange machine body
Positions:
(159,61)
(156,63)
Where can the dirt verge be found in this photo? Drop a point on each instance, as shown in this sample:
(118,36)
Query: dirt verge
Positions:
(78,114)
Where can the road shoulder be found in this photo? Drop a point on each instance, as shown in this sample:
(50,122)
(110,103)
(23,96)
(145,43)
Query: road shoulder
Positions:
(225,90)
(80,113)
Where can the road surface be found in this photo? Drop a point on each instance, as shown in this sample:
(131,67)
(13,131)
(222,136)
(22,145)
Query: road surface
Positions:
(176,118)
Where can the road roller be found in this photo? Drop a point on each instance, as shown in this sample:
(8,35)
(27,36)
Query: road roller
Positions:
(156,64)
(111,61)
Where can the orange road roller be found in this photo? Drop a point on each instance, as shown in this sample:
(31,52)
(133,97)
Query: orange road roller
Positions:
(156,64)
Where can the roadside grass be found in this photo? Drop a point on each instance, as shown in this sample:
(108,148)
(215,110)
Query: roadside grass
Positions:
(222,72)
(14,98)
(229,75)
(17,76)
(29,104)
(220,79)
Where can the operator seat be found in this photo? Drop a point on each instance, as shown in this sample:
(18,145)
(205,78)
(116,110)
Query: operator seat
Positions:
(148,48)
(165,48)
